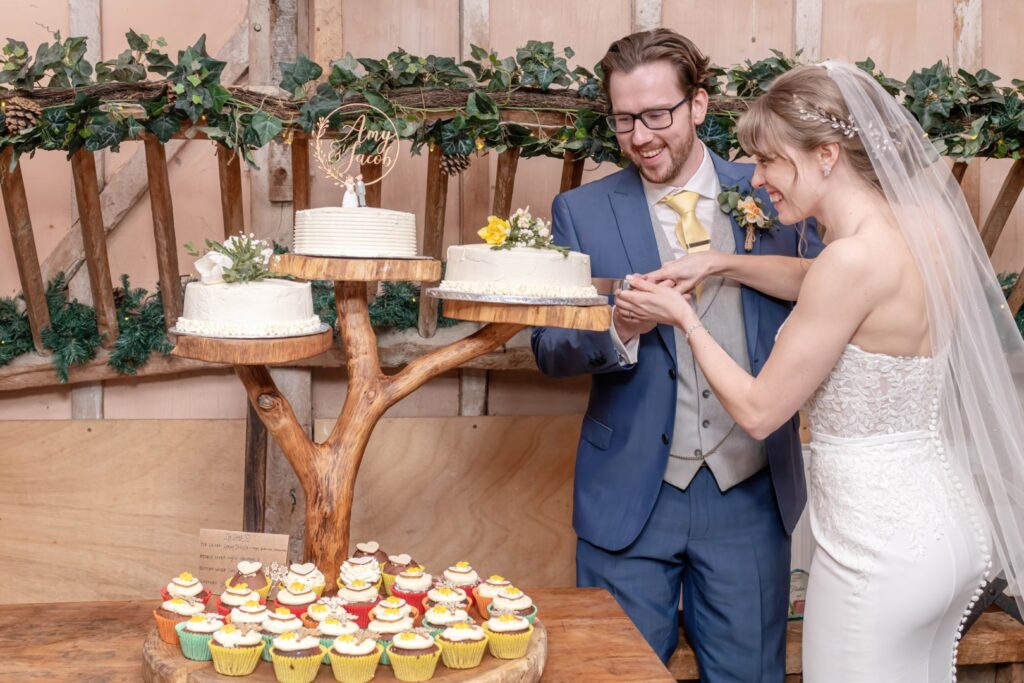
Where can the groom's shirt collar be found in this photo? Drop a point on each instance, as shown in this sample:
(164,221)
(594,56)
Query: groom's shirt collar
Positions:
(704,182)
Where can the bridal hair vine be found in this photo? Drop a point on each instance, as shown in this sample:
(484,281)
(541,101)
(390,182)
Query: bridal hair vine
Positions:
(808,113)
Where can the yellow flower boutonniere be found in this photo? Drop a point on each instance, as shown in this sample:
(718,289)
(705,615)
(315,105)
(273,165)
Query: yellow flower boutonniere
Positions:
(748,211)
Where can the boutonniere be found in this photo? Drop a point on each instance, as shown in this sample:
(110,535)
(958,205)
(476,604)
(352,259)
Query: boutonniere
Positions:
(748,211)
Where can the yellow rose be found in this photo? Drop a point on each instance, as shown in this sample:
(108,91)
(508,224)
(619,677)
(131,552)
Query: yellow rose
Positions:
(496,232)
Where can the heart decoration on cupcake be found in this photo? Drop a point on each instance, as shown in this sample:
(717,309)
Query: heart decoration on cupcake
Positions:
(249,567)
(368,547)
(303,569)
(404,558)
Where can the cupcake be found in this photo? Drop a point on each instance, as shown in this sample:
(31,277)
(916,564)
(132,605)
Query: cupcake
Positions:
(514,601)
(276,623)
(297,656)
(447,596)
(236,650)
(462,575)
(296,597)
(364,568)
(251,613)
(412,585)
(184,585)
(508,635)
(462,645)
(354,657)
(236,596)
(361,597)
(386,623)
(331,606)
(439,617)
(252,574)
(195,634)
(332,627)
(171,613)
(485,592)
(414,655)
(397,603)
(371,549)
(395,565)
(308,575)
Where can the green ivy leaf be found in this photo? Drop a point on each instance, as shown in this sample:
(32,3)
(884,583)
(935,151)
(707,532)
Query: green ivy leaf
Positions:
(163,127)
(266,127)
(297,74)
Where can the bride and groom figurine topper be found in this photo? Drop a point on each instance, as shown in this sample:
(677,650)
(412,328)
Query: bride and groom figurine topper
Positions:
(362,136)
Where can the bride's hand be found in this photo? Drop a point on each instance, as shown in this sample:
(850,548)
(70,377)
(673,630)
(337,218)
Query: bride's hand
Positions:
(647,301)
(686,272)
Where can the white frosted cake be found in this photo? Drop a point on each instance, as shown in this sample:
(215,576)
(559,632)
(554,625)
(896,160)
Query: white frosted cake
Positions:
(358,232)
(520,271)
(265,308)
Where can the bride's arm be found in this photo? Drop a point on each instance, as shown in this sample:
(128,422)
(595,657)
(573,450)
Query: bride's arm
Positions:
(833,301)
(776,276)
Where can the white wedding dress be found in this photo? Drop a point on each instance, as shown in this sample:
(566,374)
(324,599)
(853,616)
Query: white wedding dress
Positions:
(902,551)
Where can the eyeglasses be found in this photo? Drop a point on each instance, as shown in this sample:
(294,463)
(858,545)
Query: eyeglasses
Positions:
(654,119)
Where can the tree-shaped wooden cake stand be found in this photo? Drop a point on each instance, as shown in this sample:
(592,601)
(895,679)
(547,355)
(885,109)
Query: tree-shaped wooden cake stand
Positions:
(327,471)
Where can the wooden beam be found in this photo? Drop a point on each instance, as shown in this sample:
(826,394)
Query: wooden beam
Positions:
(1003,206)
(646,15)
(807,28)
(33,287)
(572,172)
(254,495)
(433,234)
(300,174)
(374,184)
(473,391)
(958,170)
(505,182)
(229,171)
(163,229)
(94,242)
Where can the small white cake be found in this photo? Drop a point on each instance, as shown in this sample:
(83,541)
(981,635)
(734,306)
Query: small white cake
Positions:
(265,308)
(520,271)
(358,232)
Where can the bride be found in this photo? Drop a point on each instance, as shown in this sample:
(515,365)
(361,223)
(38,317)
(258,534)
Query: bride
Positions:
(903,352)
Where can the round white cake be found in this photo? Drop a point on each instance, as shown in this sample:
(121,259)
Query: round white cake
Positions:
(266,308)
(520,271)
(358,232)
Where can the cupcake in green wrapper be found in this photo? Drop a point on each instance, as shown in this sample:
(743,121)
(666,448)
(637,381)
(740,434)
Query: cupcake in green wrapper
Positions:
(236,650)
(332,627)
(281,620)
(462,645)
(297,656)
(440,617)
(194,636)
(414,655)
(508,636)
(387,622)
(511,600)
(354,657)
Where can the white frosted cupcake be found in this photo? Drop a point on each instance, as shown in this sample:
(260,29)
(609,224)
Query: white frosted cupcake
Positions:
(252,612)
(296,597)
(365,568)
(236,651)
(297,657)
(514,601)
(462,575)
(439,617)
(354,656)
(413,655)
(184,585)
(446,595)
(308,575)
(393,603)
(236,596)
(331,628)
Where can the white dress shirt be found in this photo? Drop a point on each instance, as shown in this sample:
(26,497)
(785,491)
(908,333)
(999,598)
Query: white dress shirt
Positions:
(663,217)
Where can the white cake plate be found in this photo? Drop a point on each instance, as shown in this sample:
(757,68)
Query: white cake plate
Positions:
(439,293)
(320,330)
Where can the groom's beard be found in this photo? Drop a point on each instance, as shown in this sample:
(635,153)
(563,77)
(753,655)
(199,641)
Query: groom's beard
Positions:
(677,156)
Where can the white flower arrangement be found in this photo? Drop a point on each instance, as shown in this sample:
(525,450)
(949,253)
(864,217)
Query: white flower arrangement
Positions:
(240,258)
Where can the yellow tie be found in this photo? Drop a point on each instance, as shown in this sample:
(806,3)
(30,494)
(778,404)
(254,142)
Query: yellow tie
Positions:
(692,234)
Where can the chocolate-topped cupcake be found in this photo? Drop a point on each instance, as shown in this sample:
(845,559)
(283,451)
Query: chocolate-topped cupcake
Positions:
(396,564)
(297,656)
(414,655)
(371,549)
(252,574)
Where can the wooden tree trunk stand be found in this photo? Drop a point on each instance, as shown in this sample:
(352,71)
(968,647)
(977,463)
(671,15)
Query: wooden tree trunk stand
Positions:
(163,663)
(327,471)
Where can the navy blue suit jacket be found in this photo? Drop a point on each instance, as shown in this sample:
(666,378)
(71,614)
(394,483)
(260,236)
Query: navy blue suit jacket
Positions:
(624,443)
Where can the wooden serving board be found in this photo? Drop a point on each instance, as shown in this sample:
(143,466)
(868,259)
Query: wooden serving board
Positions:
(575,317)
(252,351)
(356,269)
(163,663)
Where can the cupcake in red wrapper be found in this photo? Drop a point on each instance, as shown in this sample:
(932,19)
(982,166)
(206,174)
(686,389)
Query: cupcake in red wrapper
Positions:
(371,549)
(171,613)
(296,597)
(446,595)
(361,597)
(253,575)
(184,585)
(330,606)
(485,592)
(250,613)
(462,575)
(395,565)
(412,586)
(236,596)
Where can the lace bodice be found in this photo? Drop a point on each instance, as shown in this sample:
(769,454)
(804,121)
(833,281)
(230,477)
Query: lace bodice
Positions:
(872,394)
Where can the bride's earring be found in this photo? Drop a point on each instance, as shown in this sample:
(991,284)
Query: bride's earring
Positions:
(826,170)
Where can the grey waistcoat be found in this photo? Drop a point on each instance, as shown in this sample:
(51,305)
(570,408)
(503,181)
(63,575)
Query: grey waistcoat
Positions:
(703,432)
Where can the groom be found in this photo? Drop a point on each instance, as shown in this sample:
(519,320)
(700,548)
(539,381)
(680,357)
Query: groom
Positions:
(671,497)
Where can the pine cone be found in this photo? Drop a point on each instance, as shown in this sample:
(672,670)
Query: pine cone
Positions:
(454,164)
(21,114)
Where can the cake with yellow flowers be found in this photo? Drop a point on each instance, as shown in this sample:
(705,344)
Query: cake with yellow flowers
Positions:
(297,656)
(414,655)
(236,596)
(514,601)
(518,260)
(236,650)
(195,634)
(508,635)
(252,574)
(354,657)
(172,612)
(184,585)
(462,645)
(296,597)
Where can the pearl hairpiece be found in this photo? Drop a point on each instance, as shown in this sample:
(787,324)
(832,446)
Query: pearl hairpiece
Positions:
(808,113)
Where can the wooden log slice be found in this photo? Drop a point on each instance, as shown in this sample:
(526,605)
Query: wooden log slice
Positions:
(355,269)
(572,317)
(252,351)
(163,663)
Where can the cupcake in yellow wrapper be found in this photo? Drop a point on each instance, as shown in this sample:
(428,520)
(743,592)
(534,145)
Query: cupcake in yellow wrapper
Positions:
(395,565)
(508,635)
(297,657)
(236,651)
(354,657)
(414,655)
(462,645)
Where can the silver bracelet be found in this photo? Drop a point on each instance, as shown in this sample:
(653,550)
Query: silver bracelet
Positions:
(691,329)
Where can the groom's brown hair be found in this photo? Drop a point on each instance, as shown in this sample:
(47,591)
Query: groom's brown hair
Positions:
(660,44)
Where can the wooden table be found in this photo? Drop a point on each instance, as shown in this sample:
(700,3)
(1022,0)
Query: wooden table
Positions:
(590,639)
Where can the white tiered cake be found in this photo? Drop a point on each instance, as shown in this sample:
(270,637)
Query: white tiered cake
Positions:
(267,308)
(361,232)
(519,271)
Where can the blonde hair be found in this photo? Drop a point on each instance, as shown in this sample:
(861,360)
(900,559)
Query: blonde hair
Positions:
(799,110)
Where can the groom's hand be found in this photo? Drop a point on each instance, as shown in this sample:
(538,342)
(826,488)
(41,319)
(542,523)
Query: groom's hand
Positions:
(687,272)
(627,328)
